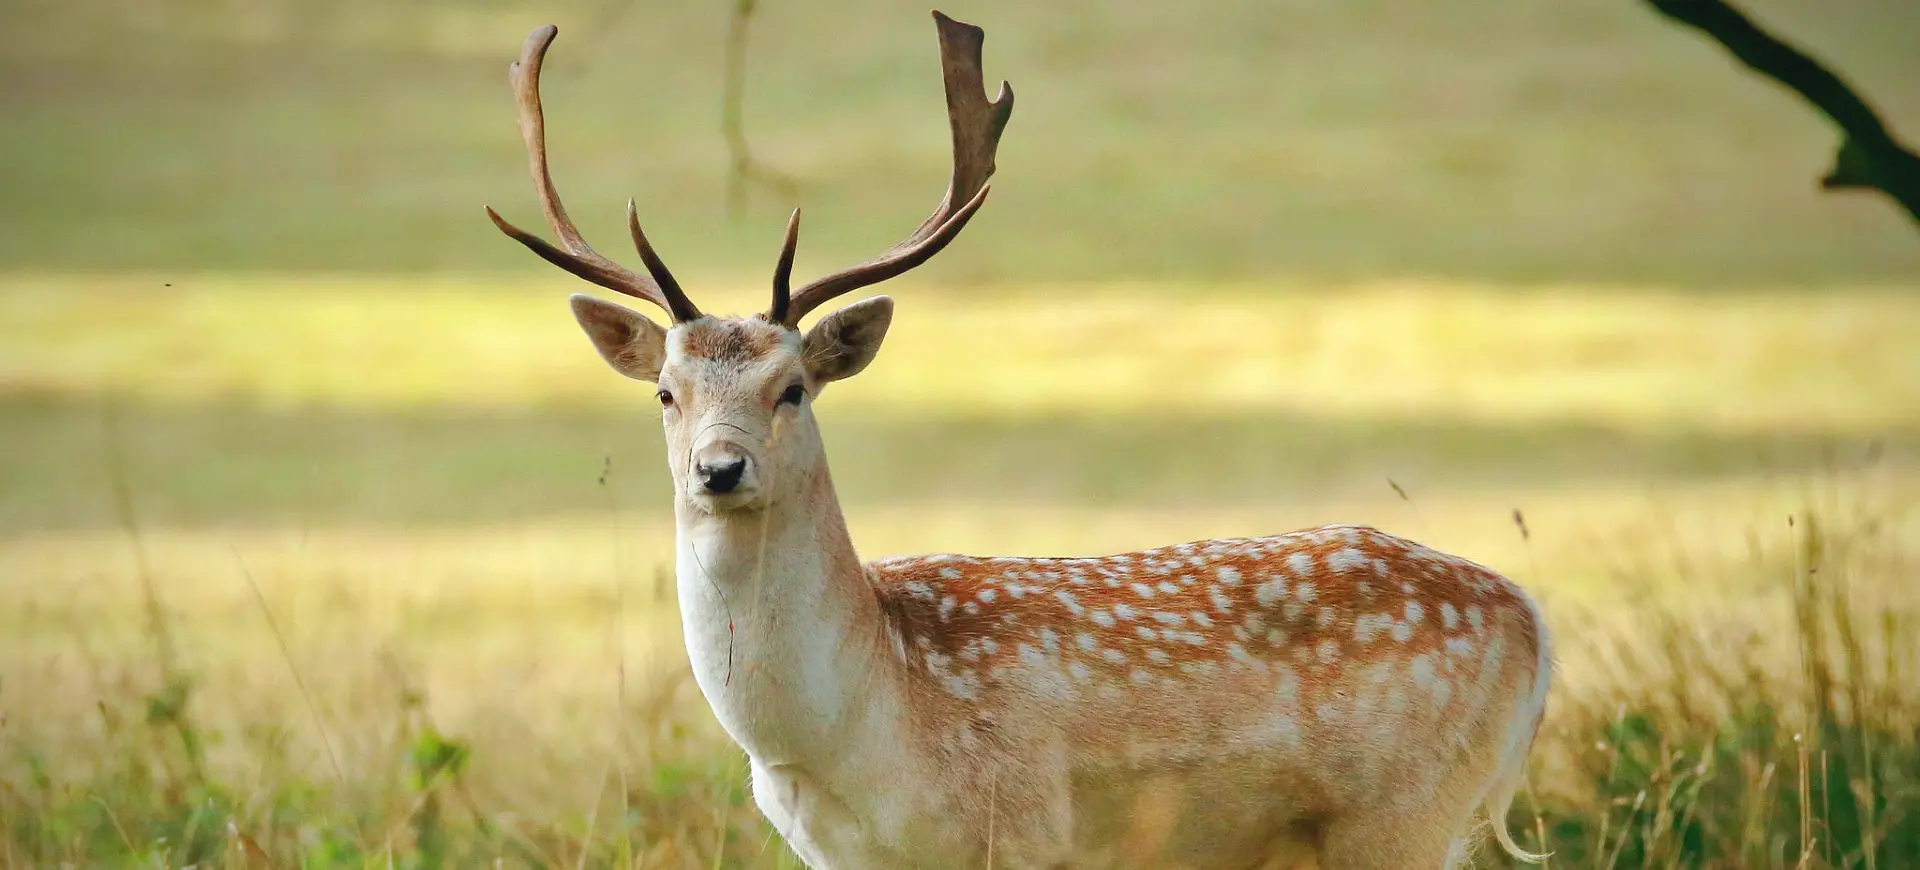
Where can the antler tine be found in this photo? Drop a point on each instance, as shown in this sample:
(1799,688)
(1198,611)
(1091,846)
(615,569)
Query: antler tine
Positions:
(783,271)
(578,258)
(977,124)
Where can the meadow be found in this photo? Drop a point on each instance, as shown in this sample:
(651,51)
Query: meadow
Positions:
(288,586)
(327,542)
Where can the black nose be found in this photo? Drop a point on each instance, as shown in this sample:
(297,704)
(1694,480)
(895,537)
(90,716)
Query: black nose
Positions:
(722,477)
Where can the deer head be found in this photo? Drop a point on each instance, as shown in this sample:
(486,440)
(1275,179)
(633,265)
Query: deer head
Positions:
(736,393)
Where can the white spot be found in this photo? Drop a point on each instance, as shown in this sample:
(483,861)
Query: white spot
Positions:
(1139,676)
(1194,638)
(950,573)
(1229,575)
(1049,640)
(1125,612)
(1293,610)
(1221,602)
(1459,647)
(1276,637)
(1086,641)
(1239,653)
(1113,655)
(1081,673)
(1168,618)
(1301,563)
(971,607)
(1329,651)
(1200,618)
(1144,632)
(1442,692)
(1016,590)
(1473,616)
(920,590)
(1325,618)
(1327,713)
(1306,592)
(987,596)
(1072,603)
(1347,559)
(965,686)
(1402,632)
(1407,588)
(1368,625)
(1143,590)
(1101,618)
(1158,656)
(1270,592)
(988,644)
(1288,688)
(1449,617)
(1415,612)
(1185,580)
(946,607)
(1169,588)
(1423,675)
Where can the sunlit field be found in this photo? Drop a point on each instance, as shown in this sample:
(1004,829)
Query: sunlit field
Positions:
(369,573)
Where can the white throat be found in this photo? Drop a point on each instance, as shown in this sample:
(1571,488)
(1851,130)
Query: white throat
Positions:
(781,626)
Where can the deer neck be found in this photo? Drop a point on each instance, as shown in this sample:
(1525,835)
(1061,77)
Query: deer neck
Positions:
(782,624)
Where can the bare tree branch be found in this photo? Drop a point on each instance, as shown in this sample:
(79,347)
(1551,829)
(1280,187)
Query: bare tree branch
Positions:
(743,169)
(1869,156)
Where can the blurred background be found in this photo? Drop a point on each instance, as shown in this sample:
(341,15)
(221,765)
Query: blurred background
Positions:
(326,539)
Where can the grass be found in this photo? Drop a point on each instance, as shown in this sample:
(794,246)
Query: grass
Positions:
(367,573)
(1221,140)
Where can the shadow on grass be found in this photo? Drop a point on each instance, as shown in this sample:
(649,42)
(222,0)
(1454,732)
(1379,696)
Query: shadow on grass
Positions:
(232,464)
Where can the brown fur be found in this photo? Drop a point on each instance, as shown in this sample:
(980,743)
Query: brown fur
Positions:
(732,341)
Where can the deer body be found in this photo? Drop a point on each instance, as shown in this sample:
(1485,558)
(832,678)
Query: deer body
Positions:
(1338,694)
(1210,704)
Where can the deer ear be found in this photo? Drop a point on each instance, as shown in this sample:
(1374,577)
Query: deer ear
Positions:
(633,345)
(842,343)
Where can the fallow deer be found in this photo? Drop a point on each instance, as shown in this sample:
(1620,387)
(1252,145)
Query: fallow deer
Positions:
(1336,694)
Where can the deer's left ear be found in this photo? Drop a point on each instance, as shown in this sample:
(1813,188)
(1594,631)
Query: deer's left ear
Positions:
(843,342)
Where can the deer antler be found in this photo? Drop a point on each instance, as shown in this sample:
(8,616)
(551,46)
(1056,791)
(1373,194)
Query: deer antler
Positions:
(977,124)
(579,258)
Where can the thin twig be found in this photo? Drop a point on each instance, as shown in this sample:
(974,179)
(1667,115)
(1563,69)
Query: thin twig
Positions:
(1869,156)
(743,170)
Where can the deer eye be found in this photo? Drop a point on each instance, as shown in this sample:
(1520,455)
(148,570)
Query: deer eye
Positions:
(666,398)
(793,395)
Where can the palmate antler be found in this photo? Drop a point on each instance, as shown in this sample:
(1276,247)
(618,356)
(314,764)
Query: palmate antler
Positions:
(976,124)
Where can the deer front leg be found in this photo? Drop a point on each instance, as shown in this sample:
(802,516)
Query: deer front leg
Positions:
(817,826)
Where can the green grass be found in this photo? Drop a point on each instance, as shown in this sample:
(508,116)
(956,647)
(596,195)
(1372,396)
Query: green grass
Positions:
(1218,140)
(367,601)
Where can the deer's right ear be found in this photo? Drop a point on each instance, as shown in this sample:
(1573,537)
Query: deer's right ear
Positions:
(633,345)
